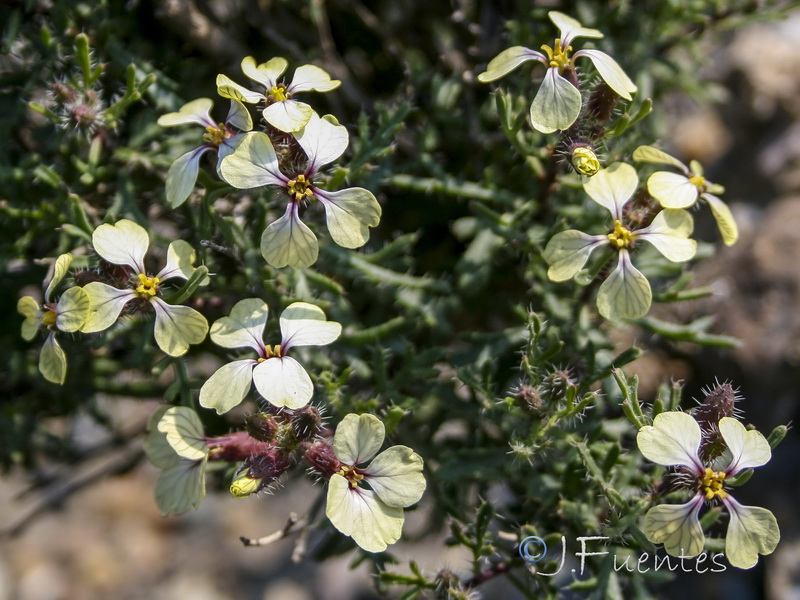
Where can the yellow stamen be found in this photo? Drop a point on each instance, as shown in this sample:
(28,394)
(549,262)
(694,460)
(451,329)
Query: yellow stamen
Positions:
(698,181)
(349,473)
(271,352)
(216,135)
(148,286)
(299,187)
(278,93)
(712,484)
(558,58)
(621,237)
(48,318)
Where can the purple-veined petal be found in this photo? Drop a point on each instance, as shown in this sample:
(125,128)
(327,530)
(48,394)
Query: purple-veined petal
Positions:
(396,476)
(625,293)
(195,112)
(266,74)
(283,382)
(227,88)
(610,71)
(752,530)
(182,175)
(73,309)
(612,187)
(676,526)
(289,242)
(748,449)
(570,28)
(309,78)
(358,438)
(53,361)
(107,302)
(184,432)
(672,440)
(288,115)
(239,117)
(250,162)
(244,328)
(322,140)
(724,218)
(649,154)
(568,251)
(180,261)
(303,324)
(177,327)
(349,214)
(181,486)
(672,190)
(557,103)
(124,243)
(508,60)
(60,269)
(669,233)
(228,386)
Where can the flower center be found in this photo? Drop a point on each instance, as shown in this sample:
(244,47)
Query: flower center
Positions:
(351,474)
(48,318)
(712,484)
(558,58)
(698,181)
(216,135)
(299,187)
(271,352)
(621,237)
(148,286)
(278,93)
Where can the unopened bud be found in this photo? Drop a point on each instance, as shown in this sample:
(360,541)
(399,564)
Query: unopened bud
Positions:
(261,426)
(584,160)
(602,102)
(321,457)
(306,423)
(244,486)
(718,403)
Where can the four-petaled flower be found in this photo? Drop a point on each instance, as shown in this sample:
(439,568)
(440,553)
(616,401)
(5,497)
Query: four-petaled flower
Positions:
(279,378)
(626,292)
(67,315)
(126,243)
(182,175)
(674,440)
(349,212)
(558,103)
(682,191)
(282,111)
(372,517)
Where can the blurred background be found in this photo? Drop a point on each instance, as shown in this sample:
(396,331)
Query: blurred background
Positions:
(83,525)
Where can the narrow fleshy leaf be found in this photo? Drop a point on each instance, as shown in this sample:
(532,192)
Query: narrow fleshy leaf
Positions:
(611,72)
(283,382)
(309,78)
(570,28)
(244,328)
(748,449)
(508,60)
(60,269)
(184,432)
(322,141)
(124,243)
(669,233)
(181,487)
(107,302)
(288,115)
(396,476)
(752,530)
(250,162)
(557,103)
(358,438)
(567,252)
(676,526)
(239,117)
(267,74)
(724,218)
(612,187)
(73,309)
(29,308)
(182,176)
(357,512)
(289,242)
(228,88)
(53,361)
(672,440)
(349,214)
(228,386)
(177,327)
(652,155)
(672,190)
(197,112)
(304,324)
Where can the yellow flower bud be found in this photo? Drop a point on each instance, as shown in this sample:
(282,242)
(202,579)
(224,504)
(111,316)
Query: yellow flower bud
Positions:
(584,160)
(244,486)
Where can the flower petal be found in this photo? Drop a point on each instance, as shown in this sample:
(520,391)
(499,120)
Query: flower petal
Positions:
(250,162)
(748,449)
(244,328)
(73,309)
(612,187)
(570,28)
(649,154)
(304,324)
(124,243)
(197,111)
(672,440)
(29,308)
(752,530)
(283,382)
(288,115)
(323,141)
(357,512)
(349,214)
(289,242)
(610,71)
(626,293)
(239,117)
(182,176)
(228,386)
(309,78)
(358,438)
(724,218)
(228,88)
(557,103)
(107,303)
(184,432)
(267,73)
(180,262)
(669,233)
(568,251)
(396,476)
(156,447)
(60,269)
(177,327)
(672,190)
(508,60)
(181,487)
(53,361)
(676,526)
